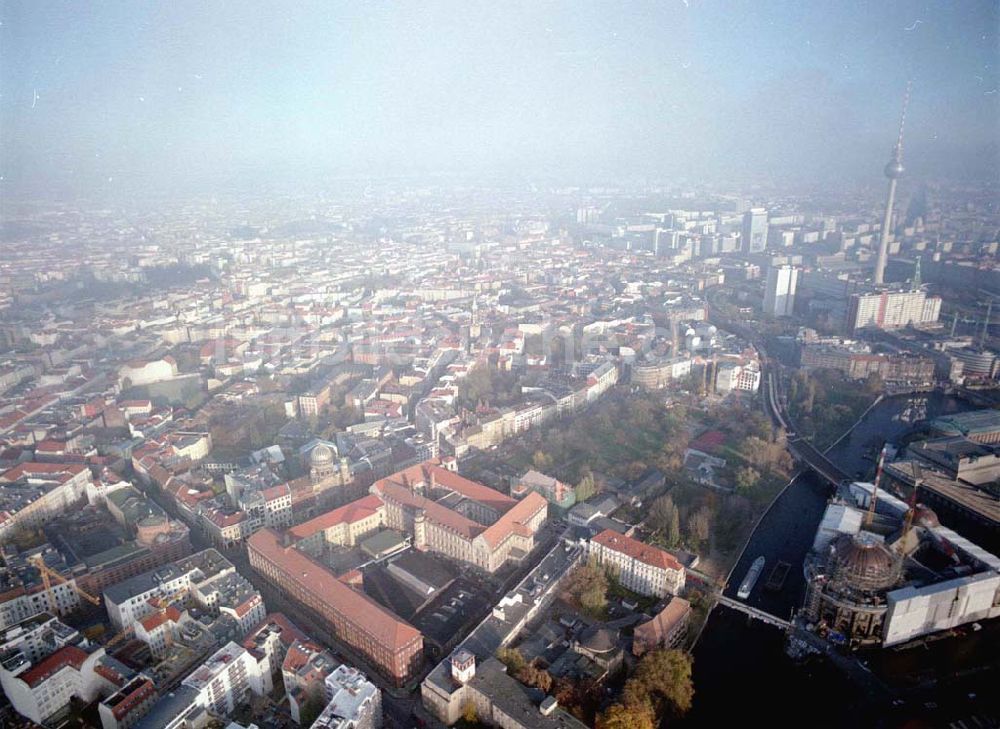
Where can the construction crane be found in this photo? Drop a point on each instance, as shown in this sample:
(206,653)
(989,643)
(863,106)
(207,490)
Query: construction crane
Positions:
(908,521)
(878,478)
(48,574)
(164,604)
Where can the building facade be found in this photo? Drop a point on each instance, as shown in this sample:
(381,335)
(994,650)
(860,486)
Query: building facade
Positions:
(891,309)
(754,231)
(394,646)
(779,291)
(640,567)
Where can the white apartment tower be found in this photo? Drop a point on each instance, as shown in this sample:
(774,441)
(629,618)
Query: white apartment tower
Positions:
(779,293)
(754,233)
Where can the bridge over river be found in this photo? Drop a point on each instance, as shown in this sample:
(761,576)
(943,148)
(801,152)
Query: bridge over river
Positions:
(753,612)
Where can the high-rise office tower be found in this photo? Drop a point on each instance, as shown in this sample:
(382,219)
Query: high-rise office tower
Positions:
(779,293)
(754,230)
(893,170)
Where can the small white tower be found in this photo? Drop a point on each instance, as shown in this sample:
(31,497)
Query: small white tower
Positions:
(463,666)
(420,530)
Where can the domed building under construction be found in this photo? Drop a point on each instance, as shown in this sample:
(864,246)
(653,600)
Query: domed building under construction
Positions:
(883,572)
(847,590)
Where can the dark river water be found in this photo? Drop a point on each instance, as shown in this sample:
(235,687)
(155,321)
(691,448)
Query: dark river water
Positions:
(741,673)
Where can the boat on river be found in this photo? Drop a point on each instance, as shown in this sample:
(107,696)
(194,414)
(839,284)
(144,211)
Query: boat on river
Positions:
(753,574)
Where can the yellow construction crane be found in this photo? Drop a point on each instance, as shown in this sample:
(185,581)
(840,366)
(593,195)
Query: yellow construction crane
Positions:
(48,574)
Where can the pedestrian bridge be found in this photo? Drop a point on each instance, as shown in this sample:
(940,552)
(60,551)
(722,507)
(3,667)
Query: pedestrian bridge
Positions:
(753,612)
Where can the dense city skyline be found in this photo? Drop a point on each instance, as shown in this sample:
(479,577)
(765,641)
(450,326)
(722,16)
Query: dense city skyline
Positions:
(544,366)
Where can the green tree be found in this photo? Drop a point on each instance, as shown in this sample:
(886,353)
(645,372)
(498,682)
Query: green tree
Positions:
(586,488)
(313,706)
(512,658)
(699,526)
(532,675)
(587,586)
(662,513)
(620,716)
(674,529)
(747,479)
(661,680)
(757,424)
(541,461)
(874,384)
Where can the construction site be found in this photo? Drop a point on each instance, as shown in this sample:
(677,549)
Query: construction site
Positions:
(883,572)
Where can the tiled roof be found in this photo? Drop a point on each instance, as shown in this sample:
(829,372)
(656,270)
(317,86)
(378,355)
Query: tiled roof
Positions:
(157,619)
(516,519)
(34,469)
(435,512)
(366,614)
(348,513)
(288,633)
(276,492)
(246,606)
(424,472)
(68,655)
(223,520)
(298,655)
(654,631)
(637,550)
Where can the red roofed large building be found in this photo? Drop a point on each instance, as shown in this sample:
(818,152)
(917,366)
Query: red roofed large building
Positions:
(460,518)
(392,645)
(345,525)
(442,511)
(641,567)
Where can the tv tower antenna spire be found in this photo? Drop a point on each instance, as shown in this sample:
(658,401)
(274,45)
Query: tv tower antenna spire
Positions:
(893,170)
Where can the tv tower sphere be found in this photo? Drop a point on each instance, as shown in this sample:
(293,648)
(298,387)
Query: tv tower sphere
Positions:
(894,170)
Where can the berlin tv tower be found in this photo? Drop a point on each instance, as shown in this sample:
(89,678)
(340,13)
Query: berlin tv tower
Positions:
(893,170)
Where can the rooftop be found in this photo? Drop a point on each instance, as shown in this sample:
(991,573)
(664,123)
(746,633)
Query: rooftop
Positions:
(216,663)
(348,513)
(962,494)
(970,423)
(513,699)
(641,551)
(66,656)
(351,693)
(654,631)
(313,577)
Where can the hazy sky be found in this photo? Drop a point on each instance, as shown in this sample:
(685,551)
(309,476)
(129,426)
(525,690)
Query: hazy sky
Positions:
(117,93)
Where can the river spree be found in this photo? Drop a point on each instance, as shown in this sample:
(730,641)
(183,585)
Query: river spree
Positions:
(740,669)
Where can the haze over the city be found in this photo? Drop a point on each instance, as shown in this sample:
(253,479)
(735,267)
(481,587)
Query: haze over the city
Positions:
(188,95)
(536,365)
